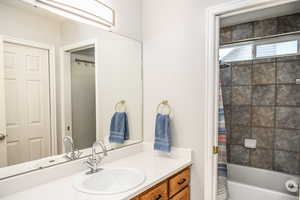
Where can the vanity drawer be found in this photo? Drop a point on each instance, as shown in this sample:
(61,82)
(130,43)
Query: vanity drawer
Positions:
(183,195)
(159,192)
(179,181)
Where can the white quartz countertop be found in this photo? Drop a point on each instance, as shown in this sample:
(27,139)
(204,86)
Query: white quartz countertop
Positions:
(156,166)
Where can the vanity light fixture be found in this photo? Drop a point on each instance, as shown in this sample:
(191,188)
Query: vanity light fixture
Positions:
(92,12)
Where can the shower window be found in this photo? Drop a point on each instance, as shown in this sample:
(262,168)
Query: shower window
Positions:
(275,47)
(236,53)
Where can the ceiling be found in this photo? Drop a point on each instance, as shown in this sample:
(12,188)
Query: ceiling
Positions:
(27,7)
(285,9)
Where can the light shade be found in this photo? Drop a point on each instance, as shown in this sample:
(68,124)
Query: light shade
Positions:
(87,11)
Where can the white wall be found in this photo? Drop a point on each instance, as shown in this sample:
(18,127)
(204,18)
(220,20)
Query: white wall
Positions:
(128,23)
(119,75)
(173,41)
(120,78)
(28,26)
(128,17)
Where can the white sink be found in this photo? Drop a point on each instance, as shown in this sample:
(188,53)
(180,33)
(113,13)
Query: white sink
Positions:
(109,181)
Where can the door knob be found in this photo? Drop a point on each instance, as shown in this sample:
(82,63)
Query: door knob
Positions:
(2,136)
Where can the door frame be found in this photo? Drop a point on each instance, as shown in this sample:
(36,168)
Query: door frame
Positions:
(3,149)
(212,26)
(52,79)
(65,67)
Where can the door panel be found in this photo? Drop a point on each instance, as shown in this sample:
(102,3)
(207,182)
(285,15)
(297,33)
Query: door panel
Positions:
(28,105)
(13,151)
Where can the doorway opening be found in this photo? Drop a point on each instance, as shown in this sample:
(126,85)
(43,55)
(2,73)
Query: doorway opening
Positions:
(256,135)
(83,97)
(79,78)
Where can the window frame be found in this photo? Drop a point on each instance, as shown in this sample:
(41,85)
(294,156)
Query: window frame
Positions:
(266,41)
(276,40)
(237,45)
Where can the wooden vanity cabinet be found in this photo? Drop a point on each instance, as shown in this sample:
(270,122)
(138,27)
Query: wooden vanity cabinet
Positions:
(174,188)
(136,198)
(159,192)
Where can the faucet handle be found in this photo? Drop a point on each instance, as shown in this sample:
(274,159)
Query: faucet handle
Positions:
(78,153)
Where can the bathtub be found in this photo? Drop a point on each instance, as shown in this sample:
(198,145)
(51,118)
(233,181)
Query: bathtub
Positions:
(247,183)
(239,191)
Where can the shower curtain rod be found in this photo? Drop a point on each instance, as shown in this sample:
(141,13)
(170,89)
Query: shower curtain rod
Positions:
(85,61)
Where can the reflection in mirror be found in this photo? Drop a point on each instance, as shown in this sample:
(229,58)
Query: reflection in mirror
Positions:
(63,79)
(83,96)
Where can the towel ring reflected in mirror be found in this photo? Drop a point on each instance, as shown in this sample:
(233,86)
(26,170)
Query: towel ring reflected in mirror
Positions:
(120,106)
(162,105)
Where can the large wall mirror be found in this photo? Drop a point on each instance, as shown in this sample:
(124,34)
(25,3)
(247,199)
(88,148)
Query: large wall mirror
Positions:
(61,79)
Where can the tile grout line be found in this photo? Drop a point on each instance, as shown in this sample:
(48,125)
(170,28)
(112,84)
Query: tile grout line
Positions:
(251,110)
(230,120)
(275,117)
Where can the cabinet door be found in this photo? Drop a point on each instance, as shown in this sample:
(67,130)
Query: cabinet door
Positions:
(159,192)
(179,181)
(183,195)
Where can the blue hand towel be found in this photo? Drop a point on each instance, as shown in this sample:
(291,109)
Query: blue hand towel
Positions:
(162,133)
(119,128)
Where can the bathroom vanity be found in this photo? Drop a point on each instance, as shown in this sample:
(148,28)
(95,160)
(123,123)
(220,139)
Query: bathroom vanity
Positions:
(174,188)
(167,176)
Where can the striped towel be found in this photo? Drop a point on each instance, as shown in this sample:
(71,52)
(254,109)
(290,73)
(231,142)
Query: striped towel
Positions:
(222,192)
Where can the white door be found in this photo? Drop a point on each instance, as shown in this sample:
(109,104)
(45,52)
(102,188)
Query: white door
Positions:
(3,153)
(26,74)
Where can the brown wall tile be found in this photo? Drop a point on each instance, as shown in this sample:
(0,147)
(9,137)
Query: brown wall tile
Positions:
(288,95)
(289,23)
(263,95)
(287,162)
(264,137)
(241,95)
(265,27)
(262,116)
(242,31)
(226,35)
(261,158)
(239,155)
(288,140)
(288,117)
(264,73)
(262,101)
(241,75)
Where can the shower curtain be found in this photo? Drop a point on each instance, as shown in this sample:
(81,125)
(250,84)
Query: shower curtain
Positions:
(222,192)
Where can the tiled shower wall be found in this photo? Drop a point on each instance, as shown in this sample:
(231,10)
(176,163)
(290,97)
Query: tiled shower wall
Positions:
(262,101)
(272,26)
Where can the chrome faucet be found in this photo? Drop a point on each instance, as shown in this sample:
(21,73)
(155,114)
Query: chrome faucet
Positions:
(94,161)
(74,153)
